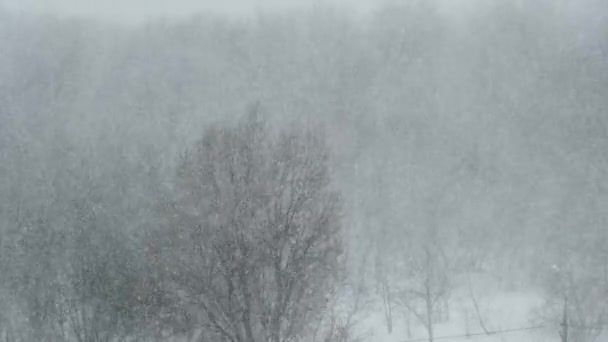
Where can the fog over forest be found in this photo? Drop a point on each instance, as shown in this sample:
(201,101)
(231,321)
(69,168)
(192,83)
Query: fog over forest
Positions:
(332,171)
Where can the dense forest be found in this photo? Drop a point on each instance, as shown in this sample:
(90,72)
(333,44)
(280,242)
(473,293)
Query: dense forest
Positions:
(305,175)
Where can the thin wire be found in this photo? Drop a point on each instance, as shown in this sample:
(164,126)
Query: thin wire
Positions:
(584,327)
(479,334)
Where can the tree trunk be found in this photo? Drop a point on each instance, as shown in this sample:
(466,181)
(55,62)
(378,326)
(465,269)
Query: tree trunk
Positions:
(388,314)
(409,324)
(429,311)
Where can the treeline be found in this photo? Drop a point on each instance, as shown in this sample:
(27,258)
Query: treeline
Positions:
(460,141)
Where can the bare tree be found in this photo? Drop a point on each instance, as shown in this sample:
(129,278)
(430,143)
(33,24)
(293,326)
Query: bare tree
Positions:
(257,232)
(427,285)
(575,297)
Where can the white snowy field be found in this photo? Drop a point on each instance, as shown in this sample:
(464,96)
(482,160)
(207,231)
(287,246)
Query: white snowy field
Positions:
(499,310)
(502,311)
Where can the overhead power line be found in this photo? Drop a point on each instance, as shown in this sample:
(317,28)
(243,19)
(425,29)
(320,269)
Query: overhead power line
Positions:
(489,333)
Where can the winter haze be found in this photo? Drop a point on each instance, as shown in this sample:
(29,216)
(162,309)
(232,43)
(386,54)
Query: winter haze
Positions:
(303,171)
(140,10)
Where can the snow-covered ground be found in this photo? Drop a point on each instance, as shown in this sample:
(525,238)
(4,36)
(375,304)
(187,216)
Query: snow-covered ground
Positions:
(502,311)
(499,309)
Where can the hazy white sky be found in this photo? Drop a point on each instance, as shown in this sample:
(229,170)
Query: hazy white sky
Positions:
(138,10)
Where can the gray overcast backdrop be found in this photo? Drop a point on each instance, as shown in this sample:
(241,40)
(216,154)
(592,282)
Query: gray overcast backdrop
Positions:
(138,10)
